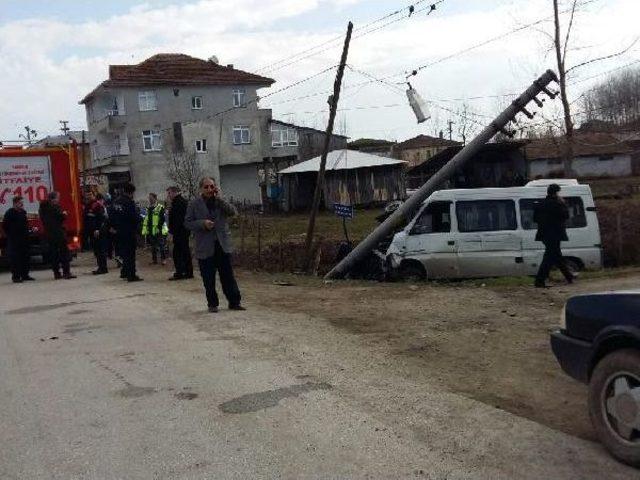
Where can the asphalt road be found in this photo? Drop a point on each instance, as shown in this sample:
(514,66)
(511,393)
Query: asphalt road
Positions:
(101,379)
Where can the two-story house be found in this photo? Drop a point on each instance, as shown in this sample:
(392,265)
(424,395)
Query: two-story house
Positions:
(140,114)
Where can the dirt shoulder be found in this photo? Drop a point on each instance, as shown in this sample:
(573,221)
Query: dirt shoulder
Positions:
(488,343)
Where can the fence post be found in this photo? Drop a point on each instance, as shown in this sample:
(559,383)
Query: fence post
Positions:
(242,220)
(619,241)
(259,243)
(281,252)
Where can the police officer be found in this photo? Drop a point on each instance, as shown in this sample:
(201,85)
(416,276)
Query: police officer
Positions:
(551,216)
(124,224)
(16,229)
(96,219)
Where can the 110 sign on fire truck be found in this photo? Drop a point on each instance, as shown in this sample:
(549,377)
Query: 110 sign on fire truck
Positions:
(32,174)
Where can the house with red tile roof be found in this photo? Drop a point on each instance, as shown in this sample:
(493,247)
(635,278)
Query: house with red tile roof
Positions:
(140,114)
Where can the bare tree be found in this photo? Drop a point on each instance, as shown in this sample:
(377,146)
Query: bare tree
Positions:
(561,46)
(185,171)
(467,125)
(615,100)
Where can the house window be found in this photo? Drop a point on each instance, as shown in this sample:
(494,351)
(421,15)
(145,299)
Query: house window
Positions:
(201,145)
(151,141)
(147,101)
(241,135)
(239,98)
(486,215)
(196,103)
(284,137)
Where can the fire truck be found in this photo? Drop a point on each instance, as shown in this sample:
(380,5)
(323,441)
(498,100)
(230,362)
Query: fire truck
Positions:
(33,173)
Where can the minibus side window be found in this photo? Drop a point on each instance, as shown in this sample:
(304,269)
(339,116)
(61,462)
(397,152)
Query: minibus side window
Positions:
(577,216)
(486,215)
(435,218)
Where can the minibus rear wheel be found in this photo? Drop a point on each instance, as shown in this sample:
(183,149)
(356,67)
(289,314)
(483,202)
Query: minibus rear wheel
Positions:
(574,265)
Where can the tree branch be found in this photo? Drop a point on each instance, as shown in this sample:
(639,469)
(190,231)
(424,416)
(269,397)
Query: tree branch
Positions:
(605,57)
(566,38)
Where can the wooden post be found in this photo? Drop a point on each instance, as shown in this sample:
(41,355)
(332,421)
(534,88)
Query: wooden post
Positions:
(242,220)
(259,243)
(327,143)
(281,252)
(619,242)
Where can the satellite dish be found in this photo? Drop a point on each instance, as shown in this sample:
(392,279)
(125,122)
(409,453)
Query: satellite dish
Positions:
(214,59)
(418,105)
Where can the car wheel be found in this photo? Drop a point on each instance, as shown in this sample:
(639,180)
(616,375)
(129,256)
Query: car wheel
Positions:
(412,272)
(614,404)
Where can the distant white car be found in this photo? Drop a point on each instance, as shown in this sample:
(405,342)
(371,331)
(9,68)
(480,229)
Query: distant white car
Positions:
(490,232)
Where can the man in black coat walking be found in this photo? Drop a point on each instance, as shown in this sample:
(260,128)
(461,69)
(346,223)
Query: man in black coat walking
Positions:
(53,217)
(125,224)
(16,230)
(181,250)
(551,216)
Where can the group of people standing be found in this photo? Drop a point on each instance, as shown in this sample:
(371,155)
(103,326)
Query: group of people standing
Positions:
(117,225)
(16,227)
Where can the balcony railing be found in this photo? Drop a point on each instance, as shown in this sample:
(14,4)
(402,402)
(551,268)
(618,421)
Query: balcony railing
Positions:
(103,154)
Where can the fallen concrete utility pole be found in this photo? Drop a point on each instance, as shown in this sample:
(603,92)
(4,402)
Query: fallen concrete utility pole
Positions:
(416,199)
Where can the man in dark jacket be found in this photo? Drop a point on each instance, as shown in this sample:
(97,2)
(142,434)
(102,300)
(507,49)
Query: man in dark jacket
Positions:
(95,225)
(16,230)
(125,224)
(180,234)
(53,217)
(207,218)
(551,215)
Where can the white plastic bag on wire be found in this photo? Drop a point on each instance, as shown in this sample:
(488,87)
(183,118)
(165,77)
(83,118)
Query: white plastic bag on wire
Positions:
(418,105)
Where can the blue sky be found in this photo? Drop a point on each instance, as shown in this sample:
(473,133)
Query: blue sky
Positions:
(71,43)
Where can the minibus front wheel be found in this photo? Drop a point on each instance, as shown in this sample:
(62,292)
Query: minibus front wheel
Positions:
(412,271)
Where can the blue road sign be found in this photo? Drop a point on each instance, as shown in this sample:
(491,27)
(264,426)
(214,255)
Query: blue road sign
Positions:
(344,211)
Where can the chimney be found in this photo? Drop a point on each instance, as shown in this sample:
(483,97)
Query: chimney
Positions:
(441,135)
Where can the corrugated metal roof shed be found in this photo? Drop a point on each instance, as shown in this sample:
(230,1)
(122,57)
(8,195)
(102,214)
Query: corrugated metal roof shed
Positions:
(343,160)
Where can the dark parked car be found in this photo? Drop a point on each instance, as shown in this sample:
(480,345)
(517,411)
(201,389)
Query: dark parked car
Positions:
(599,344)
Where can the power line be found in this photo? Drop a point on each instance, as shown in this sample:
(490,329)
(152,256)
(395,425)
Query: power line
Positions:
(313,51)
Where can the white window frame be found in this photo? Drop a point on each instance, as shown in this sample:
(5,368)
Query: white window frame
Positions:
(239,97)
(284,136)
(153,138)
(244,132)
(147,100)
(196,102)
(201,146)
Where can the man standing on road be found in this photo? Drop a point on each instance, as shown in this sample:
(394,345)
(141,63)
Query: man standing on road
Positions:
(53,217)
(207,218)
(551,215)
(16,229)
(124,225)
(181,250)
(95,225)
(154,229)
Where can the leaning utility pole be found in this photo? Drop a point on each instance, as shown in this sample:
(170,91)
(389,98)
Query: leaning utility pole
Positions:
(333,103)
(65,129)
(416,199)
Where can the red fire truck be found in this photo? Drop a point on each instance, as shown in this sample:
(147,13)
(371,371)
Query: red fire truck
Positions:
(32,173)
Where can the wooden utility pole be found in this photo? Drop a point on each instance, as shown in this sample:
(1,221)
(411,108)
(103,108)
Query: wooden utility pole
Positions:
(333,103)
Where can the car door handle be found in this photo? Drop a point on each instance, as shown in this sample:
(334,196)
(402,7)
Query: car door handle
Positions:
(451,242)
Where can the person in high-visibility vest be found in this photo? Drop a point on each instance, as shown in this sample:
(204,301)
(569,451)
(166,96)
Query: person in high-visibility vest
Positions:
(155,230)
